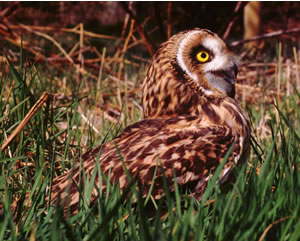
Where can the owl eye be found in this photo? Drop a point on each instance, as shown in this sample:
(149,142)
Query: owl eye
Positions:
(202,56)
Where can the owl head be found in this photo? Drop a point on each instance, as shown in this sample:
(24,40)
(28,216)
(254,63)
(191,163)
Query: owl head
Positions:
(190,63)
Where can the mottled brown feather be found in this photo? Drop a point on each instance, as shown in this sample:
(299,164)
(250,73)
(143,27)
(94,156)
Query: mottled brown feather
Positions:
(185,130)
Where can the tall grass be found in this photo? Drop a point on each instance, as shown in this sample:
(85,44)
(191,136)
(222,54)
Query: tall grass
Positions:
(261,204)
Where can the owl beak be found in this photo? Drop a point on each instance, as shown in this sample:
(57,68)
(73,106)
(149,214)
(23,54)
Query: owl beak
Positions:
(224,80)
(230,75)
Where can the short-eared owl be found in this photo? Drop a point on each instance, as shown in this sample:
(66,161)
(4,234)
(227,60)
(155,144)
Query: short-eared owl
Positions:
(190,122)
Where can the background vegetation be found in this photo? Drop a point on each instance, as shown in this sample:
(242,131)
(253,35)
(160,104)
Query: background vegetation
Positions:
(91,58)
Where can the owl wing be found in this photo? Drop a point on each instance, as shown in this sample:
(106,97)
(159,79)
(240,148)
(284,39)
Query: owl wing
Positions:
(156,146)
(191,155)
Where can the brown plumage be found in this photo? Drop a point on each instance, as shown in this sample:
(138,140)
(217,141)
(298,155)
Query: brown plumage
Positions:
(191,120)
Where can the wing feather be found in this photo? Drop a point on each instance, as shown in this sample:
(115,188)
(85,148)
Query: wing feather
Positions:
(179,144)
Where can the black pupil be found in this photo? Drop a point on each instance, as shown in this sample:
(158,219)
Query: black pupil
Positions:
(203,55)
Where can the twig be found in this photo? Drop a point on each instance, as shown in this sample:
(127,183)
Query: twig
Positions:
(149,45)
(296,62)
(46,36)
(73,30)
(9,10)
(81,39)
(45,96)
(79,69)
(264,36)
(122,59)
(169,19)
(99,81)
(288,78)
(116,55)
(270,226)
(279,70)
(73,49)
(234,18)
(26,45)
(15,39)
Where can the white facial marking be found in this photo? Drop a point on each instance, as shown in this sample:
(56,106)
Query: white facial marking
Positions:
(211,43)
(220,59)
(180,55)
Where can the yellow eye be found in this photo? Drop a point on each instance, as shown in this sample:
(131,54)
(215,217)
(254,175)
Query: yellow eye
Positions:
(202,56)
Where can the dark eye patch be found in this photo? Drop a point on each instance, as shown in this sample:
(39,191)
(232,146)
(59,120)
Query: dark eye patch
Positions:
(179,73)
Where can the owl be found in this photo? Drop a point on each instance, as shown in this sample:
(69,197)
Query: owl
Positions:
(191,120)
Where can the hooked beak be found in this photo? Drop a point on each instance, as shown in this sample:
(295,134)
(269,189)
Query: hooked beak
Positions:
(224,80)
(230,75)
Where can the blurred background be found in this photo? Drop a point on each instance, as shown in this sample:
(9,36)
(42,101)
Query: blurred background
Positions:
(154,22)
